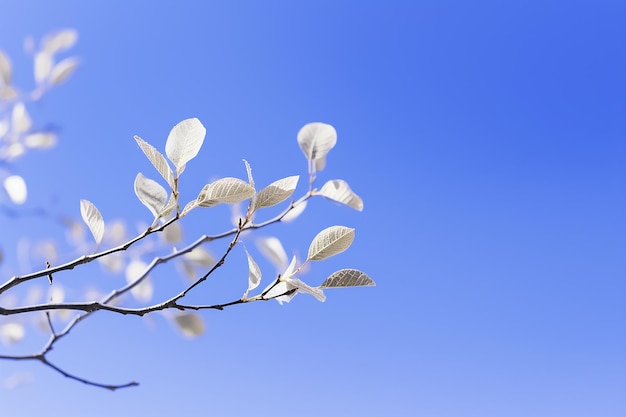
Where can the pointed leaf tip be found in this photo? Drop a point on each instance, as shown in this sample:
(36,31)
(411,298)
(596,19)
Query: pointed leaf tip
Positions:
(92,217)
(184,142)
(330,241)
(348,278)
(157,159)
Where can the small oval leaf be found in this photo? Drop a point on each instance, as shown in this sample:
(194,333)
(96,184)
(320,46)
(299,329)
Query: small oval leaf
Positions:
(15,187)
(43,66)
(277,192)
(20,119)
(225,190)
(92,217)
(190,324)
(294,213)
(273,251)
(150,193)
(339,190)
(316,139)
(59,41)
(184,142)
(143,290)
(330,241)
(40,140)
(348,278)
(62,70)
(158,160)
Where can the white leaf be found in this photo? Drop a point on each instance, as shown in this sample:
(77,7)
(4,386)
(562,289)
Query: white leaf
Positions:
(273,251)
(12,333)
(15,187)
(316,139)
(249,171)
(20,119)
(320,163)
(59,41)
(277,290)
(251,182)
(225,190)
(184,142)
(200,257)
(254,274)
(190,324)
(92,217)
(277,192)
(62,70)
(43,66)
(173,233)
(150,193)
(5,69)
(330,241)
(40,140)
(301,287)
(188,207)
(158,160)
(294,213)
(172,204)
(142,291)
(8,92)
(348,278)
(339,190)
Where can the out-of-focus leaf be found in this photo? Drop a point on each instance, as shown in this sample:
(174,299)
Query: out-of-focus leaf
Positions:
(339,190)
(225,190)
(184,142)
(144,290)
(254,274)
(43,66)
(150,193)
(348,278)
(12,333)
(330,241)
(294,213)
(92,217)
(59,41)
(173,233)
(316,139)
(277,192)
(20,119)
(190,324)
(40,140)
(158,160)
(15,187)
(200,257)
(273,251)
(5,69)
(8,92)
(62,70)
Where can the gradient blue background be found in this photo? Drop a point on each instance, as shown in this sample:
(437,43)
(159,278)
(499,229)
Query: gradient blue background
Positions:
(487,140)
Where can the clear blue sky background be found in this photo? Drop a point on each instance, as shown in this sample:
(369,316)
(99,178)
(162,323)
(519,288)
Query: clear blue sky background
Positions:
(486,138)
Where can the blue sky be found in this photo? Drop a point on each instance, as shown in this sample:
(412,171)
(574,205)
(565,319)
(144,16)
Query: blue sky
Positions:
(487,140)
